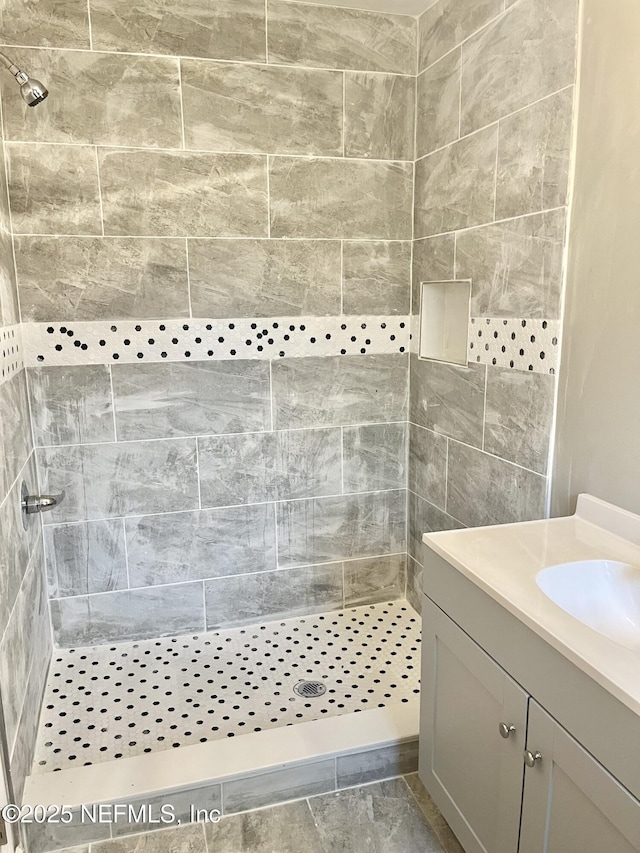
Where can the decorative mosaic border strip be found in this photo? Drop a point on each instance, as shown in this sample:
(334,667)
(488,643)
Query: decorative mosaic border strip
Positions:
(11,352)
(531,345)
(129,341)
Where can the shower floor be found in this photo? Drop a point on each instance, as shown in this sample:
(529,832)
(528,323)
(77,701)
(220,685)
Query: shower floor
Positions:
(110,702)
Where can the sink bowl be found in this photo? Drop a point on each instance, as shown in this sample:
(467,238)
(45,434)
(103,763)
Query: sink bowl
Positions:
(603,594)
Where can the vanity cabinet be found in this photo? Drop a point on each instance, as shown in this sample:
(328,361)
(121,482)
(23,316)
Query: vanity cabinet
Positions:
(476,726)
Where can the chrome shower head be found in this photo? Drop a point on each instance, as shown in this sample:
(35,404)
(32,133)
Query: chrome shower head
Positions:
(33,91)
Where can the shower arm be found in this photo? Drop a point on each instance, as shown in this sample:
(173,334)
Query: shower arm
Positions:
(20,76)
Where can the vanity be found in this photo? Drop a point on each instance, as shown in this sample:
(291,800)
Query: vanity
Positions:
(530,708)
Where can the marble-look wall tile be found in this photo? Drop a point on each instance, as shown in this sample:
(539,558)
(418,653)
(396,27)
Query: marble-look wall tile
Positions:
(71,405)
(256,467)
(448,399)
(265,597)
(455,187)
(199,398)
(448,22)
(14,553)
(349,199)
(379,116)
(53,189)
(89,278)
(375,457)
(86,558)
(178,194)
(515,267)
(414,584)
(485,490)
(196,545)
(40,22)
(329,37)
(9,307)
(108,480)
(438,107)
(313,392)
(374,580)
(376,277)
(128,615)
(424,517)
(433,260)
(264,278)
(519,416)
(277,786)
(361,768)
(324,529)
(524,55)
(123,100)
(534,153)
(226,29)
(15,428)
(264,109)
(428,465)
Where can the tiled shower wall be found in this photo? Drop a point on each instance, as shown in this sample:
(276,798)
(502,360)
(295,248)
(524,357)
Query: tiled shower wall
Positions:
(494,105)
(227,160)
(25,633)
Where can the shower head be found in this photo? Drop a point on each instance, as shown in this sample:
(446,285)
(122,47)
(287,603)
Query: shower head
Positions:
(32,90)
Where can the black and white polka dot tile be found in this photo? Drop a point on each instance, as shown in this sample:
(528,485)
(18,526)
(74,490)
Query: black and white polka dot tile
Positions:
(203,340)
(531,345)
(11,352)
(108,702)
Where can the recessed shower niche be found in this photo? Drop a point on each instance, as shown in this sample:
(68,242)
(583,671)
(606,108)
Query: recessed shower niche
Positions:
(444,320)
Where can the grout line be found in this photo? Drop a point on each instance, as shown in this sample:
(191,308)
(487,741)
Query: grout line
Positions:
(446,476)
(126,552)
(460,95)
(95,147)
(186,244)
(344,114)
(271,400)
(269,207)
(90,25)
(342,449)
(113,408)
(53,236)
(266,32)
(198,473)
(488,225)
(495,174)
(342,242)
(184,146)
(484,411)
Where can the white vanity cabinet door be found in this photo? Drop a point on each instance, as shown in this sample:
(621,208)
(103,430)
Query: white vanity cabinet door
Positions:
(571,803)
(473,773)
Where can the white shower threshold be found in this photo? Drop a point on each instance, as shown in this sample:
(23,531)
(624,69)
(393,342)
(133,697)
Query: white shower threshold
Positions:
(373,648)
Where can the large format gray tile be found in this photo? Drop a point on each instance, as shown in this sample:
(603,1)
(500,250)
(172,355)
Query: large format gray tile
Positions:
(376,277)
(414,583)
(182,839)
(86,558)
(515,267)
(448,399)
(378,818)
(448,840)
(287,829)
(41,23)
(449,22)
(15,428)
(335,528)
(339,390)
(325,36)
(107,480)
(349,199)
(9,308)
(360,768)
(265,597)
(203,544)
(424,517)
(180,194)
(128,615)
(527,53)
(89,278)
(438,105)
(534,152)
(379,116)
(433,260)
(255,467)
(230,107)
(226,29)
(519,416)
(374,580)
(54,189)
(71,405)
(123,100)
(199,398)
(485,490)
(455,187)
(428,465)
(375,457)
(264,278)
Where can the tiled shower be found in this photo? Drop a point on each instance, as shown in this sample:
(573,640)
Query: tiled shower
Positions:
(212,244)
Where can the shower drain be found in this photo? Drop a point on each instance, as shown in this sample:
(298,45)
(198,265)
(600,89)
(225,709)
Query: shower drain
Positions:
(309,689)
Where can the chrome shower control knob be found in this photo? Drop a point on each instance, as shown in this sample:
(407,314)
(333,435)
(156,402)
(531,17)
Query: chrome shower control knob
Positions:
(505,729)
(532,758)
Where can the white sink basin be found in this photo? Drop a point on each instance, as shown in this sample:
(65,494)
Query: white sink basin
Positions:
(603,594)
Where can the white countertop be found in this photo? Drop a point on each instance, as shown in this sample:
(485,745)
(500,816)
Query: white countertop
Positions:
(504,561)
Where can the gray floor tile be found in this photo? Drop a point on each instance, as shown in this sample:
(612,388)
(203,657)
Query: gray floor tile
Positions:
(284,829)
